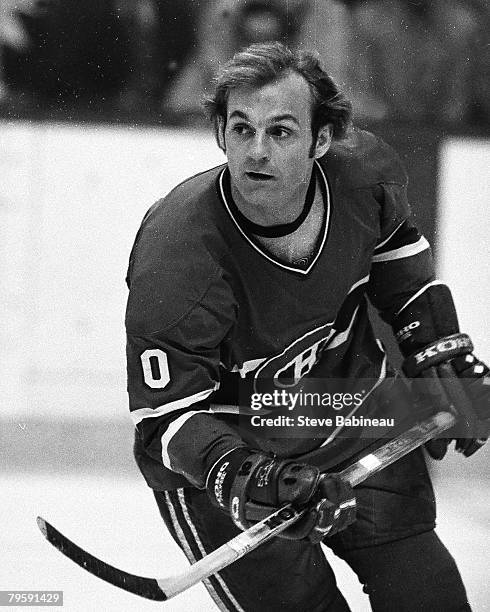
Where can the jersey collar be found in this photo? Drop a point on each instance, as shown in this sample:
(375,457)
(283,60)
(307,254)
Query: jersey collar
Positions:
(226,197)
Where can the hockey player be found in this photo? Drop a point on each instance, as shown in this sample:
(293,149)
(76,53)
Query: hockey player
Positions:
(256,273)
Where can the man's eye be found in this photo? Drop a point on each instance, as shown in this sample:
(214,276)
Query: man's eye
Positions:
(241,129)
(280,132)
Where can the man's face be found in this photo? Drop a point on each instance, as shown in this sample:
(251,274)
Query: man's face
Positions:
(268,141)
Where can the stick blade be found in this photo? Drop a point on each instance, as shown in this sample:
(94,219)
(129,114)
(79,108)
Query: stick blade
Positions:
(138,585)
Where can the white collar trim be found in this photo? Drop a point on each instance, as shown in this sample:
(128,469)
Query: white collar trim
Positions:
(273,260)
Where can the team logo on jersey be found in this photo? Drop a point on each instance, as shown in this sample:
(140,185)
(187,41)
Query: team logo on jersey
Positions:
(297,359)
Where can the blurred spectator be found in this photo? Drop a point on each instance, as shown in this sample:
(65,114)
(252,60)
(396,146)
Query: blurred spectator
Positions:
(418,57)
(228,25)
(160,36)
(13,33)
(423,60)
(75,59)
(224,27)
(98,55)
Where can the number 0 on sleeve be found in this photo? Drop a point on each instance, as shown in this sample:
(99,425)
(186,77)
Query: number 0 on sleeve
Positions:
(155,368)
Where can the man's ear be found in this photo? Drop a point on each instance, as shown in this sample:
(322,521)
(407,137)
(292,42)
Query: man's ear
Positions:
(323,140)
(220,133)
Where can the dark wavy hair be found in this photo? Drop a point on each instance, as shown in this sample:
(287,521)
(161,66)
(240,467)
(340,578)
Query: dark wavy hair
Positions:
(265,63)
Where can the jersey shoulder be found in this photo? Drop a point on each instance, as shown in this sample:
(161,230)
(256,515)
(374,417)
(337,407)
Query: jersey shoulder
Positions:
(362,160)
(176,255)
(188,203)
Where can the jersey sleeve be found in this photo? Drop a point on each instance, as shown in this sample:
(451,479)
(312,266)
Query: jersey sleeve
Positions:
(402,263)
(172,373)
(179,312)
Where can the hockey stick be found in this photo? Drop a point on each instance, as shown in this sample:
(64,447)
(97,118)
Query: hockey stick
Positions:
(161,589)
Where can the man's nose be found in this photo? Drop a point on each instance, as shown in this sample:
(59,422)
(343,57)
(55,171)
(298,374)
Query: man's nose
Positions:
(259,147)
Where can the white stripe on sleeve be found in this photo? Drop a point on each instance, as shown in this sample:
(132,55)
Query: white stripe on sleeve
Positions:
(170,432)
(185,402)
(419,292)
(381,244)
(405,251)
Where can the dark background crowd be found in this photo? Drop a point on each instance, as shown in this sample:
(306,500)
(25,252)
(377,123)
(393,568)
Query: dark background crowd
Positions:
(150,60)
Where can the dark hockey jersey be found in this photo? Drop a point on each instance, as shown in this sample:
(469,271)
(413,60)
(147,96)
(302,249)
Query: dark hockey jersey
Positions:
(211,312)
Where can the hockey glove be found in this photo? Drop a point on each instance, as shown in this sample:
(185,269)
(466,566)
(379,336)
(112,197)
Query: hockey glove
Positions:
(444,372)
(250,485)
(447,374)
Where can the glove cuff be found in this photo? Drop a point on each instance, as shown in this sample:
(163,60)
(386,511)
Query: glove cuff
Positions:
(221,475)
(436,353)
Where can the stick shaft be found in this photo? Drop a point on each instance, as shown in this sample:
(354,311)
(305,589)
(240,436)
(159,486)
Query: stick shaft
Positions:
(281,519)
(397,448)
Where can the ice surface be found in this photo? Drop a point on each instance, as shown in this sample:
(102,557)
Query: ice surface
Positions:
(117,520)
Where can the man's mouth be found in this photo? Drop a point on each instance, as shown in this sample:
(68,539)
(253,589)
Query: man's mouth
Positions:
(259,176)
